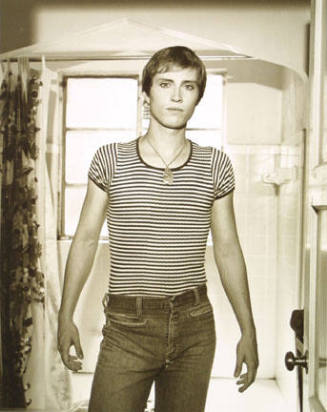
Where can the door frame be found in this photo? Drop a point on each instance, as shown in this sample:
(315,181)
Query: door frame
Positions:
(316,196)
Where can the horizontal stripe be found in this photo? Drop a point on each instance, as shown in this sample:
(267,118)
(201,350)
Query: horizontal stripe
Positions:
(158,232)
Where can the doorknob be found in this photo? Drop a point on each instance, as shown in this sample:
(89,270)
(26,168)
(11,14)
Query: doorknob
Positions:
(291,361)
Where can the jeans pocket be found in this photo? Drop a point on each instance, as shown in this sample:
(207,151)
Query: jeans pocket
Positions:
(122,319)
(201,310)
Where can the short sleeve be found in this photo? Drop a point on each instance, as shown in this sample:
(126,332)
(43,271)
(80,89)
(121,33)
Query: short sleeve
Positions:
(222,174)
(102,166)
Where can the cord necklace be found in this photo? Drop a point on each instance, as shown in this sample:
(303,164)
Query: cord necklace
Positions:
(168,176)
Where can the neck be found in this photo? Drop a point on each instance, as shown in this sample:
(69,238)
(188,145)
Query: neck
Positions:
(167,141)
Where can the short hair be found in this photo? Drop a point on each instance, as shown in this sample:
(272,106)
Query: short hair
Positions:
(165,58)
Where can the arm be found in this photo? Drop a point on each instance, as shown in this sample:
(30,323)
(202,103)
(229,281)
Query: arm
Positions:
(78,266)
(232,270)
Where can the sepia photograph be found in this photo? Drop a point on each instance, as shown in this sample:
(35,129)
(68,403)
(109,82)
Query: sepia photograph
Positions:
(163,175)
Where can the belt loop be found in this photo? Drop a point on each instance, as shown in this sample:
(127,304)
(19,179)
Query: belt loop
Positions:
(196,296)
(138,306)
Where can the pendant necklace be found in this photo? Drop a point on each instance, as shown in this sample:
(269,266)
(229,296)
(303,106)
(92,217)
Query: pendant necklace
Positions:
(168,176)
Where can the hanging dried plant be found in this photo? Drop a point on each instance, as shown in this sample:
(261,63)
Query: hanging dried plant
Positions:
(21,280)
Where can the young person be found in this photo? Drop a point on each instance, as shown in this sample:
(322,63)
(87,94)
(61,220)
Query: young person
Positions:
(161,193)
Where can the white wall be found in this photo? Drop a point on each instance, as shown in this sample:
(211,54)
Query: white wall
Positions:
(254,103)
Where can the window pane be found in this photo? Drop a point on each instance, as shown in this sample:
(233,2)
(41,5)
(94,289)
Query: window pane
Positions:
(206,137)
(209,112)
(74,197)
(81,146)
(102,102)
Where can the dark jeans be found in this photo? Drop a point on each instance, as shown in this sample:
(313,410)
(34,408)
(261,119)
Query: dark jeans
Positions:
(169,340)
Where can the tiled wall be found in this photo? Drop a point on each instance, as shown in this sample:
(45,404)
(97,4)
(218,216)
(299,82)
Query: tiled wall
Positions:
(256,210)
(268,220)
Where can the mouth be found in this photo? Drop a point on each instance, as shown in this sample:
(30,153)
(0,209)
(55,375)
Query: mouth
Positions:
(175,109)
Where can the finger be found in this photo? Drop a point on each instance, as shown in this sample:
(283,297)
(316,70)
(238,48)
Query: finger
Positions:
(241,384)
(252,368)
(64,349)
(245,386)
(238,370)
(242,380)
(251,375)
(64,353)
(246,380)
(78,347)
(72,363)
(238,367)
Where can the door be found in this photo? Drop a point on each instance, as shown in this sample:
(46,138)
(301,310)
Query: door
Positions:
(315,285)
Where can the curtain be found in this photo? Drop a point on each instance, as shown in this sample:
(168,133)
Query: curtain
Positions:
(50,388)
(57,377)
(22,281)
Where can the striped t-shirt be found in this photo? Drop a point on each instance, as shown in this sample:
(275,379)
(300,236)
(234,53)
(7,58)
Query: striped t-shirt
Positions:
(157,231)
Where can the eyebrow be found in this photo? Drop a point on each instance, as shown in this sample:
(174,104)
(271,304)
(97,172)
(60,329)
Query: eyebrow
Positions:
(172,81)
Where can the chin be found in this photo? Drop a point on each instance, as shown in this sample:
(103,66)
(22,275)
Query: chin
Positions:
(171,123)
(176,126)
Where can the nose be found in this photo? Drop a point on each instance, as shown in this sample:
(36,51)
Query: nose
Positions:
(176,95)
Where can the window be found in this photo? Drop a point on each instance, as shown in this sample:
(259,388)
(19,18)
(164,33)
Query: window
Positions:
(101,110)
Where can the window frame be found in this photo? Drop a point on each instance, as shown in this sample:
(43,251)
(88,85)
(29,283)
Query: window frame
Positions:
(62,235)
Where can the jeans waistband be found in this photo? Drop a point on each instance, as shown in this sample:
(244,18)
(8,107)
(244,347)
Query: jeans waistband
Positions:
(192,296)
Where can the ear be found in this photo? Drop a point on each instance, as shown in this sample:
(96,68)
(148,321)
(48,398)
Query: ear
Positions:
(146,98)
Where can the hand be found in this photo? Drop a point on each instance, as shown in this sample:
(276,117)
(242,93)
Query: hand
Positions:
(246,353)
(68,336)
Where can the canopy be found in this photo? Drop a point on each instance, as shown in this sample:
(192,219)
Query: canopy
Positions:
(123,38)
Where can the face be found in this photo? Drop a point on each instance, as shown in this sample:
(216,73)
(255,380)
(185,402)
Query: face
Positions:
(173,97)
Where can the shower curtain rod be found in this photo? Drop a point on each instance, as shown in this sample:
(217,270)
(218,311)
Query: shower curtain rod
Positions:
(117,58)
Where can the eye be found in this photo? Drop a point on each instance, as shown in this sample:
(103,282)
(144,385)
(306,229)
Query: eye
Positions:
(164,85)
(189,87)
